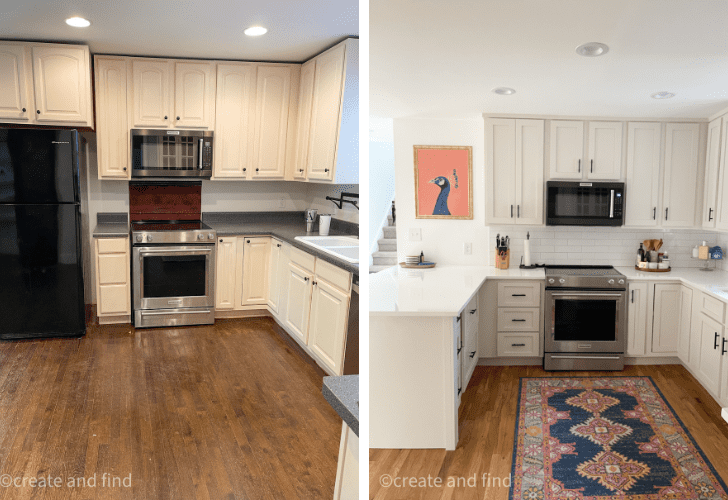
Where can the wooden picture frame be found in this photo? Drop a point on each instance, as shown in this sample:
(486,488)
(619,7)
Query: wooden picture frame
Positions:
(449,168)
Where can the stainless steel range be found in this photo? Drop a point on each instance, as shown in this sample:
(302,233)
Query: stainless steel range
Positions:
(585,319)
(173,273)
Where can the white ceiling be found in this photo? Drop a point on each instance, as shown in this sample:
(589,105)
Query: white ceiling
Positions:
(297,30)
(442,58)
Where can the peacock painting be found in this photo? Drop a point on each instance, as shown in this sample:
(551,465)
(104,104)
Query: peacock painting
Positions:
(441,203)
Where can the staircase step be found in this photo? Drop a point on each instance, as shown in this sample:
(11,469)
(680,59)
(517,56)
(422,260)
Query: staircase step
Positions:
(391,254)
(376,269)
(390,231)
(387,245)
(384,261)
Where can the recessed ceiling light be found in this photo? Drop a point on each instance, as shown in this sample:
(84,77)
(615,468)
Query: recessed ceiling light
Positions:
(256,31)
(78,22)
(662,95)
(592,49)
(504,91)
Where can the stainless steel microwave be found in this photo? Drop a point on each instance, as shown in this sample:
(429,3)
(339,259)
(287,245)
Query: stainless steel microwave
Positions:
(171,153)
(584,203)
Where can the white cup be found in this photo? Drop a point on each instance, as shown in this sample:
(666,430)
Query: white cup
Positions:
(663,265)
(324,224)
(652,265)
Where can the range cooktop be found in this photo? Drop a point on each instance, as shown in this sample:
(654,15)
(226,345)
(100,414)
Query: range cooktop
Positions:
(585,277)
(156,232)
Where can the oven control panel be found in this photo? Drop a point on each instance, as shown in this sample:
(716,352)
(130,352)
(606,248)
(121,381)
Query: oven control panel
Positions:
(610,282)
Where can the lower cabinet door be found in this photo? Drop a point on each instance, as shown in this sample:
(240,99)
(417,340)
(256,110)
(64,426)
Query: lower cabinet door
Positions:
(329,313)
(256,256)
(276,276)
(298,301)
(225,270)
(686,308)
(637,319)
(666,319)
(711,335)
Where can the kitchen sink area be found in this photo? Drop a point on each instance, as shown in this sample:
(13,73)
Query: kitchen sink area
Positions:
(344,247)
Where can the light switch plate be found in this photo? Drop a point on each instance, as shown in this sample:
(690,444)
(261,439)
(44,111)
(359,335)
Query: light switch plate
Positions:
(282,203)
(415,234)
(467,248)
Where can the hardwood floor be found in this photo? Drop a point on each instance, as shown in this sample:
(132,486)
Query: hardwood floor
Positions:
(487,423)
(225,411)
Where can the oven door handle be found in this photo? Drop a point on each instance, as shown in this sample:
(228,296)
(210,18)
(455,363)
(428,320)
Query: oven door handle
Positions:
(163,252)
(611,205)
(199,164)
(587,295)
(175,311)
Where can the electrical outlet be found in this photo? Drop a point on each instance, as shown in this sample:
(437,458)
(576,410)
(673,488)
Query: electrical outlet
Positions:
(282,203)
(467,248)
(415,234)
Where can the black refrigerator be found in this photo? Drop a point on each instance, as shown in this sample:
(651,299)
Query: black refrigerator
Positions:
(41,268)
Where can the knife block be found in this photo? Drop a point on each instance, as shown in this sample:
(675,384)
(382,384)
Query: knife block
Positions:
(502,262)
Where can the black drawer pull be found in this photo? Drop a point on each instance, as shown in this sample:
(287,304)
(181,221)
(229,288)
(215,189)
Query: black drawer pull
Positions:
(460,389)
(518,345)
(459,349)
(518,320)
(724,350)
(472,354)
(459,317)
(518,295)
(715,346)
(473,311)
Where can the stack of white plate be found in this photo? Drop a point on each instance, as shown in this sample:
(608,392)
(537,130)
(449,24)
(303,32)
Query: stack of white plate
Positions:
(412,260)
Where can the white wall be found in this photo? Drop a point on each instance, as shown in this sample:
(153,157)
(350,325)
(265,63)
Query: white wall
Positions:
(381,176)
(442,240)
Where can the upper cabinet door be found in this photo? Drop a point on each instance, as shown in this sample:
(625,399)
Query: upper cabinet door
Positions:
(305,99)
(712,165)
(681,172)
(273,90)
(721,221)
(643,173)
(234,124)
(326,113)
(529,171)
(14,102)
(112,133)
(500,136)
(194,95)
(151,97)
(61,82)
(605,151)
(567,149)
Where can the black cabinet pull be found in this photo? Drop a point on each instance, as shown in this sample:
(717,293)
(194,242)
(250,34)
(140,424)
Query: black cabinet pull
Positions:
(724,350)
(514,320)
(326,170)
(518,295)
(459,390)
(279,245)
(165,117)
(511,211)
(715,346)
(305,279)
(710,215)
(472,354)
(666,214)
(124,169)
(257,169)
(592,167)
(178,118)
(654,213)
(37,111)
(579,165)
(220,241)
(633,296)
(473,311)
(518,211)
(518,345)
(300,170)
(245,169)
(459,349)
(459,317)
(248,241)
(23,110)
(314,283)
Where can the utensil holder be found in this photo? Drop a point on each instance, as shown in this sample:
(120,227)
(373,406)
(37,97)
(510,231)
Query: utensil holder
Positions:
(502,262)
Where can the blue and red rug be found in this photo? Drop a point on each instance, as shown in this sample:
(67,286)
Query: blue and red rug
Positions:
(605,438)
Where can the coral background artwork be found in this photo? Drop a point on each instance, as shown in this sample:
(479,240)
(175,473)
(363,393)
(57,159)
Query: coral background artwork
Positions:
(432,163)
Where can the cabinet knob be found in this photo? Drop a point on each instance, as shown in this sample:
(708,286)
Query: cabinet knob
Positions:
(165,117)
(257,169)
(248,241)
(245,170)
(279,245)
(37,111)
(220,241)
(124,169)
(326,170)
(300,170)
(178,118)
(23,110)
(314,283)
(305,279)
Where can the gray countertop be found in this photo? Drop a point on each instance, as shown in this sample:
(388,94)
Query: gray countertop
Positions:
(342,393)
(111,230)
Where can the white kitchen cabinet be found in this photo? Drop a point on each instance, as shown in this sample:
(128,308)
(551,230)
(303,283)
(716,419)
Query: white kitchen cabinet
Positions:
(643,173)
(151,89)
(113,292)
(194,95)
(305,99)
(277,278)
(566,141)
(234,121)
(712,166)
(15,77)
(515,171)
(347,470)
(328,322)
(471,326)
(637,318)
(686,307)
(225,279)
(709,366)
(273,92)
(605,151)
(298,301)
(666,322)
(721,221)
(256,262)
(112,132)
(681,173)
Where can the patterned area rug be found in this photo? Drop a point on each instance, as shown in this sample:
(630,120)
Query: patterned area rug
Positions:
(605,438)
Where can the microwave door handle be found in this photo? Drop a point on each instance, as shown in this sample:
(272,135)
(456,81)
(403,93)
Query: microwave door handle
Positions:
(611,205)
(199,163)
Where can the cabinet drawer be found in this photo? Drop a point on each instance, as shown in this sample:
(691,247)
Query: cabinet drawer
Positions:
(303,259)
(712,307)
(519,294)
(112,245)
(334,275)
(517,344)
(514,319)
(113,268)
(471,314)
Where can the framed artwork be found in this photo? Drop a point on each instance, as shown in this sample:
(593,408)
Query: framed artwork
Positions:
(443,182)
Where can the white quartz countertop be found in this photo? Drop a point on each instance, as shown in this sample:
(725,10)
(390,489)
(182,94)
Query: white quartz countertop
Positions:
(713,282)
(440,291)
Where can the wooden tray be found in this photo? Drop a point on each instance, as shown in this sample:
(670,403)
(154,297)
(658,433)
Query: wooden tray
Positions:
(644,269)
(409,266)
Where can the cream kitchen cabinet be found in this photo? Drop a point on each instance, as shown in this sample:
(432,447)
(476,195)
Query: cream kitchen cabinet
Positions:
(273,93)
(298,301)
(112,132)
(570,160)
(637,309)
(643,170)
(256,265)
(45,84)
(712,167)
(681,174)
(566,141)
(329,314)
(721,221)
(514,171)
(167,93)
(234,121)
(666,322)
(328,133)
(225,277)
(470,318)
(276,277)
(113,292)
(605,151)
(711,334)
(686,314)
